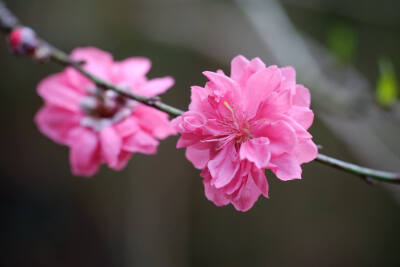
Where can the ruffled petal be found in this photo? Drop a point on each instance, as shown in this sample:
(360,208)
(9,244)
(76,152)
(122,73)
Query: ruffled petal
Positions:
(282,137)
(302,96)
(238,67)
(155,86)
(224,166)
(131,70)
(198,155)
(247,196)
(214,195)
(256,150)
(303,115)
(306,151)
(84,152)
(97,62)
(287,167)
(260,180)
(110,146)
(153,121)
(56,123)
(56,92)
(258,87)
(140,142)
(123,159)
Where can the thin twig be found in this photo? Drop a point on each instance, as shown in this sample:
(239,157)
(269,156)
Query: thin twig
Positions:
(365,173)
(8,22)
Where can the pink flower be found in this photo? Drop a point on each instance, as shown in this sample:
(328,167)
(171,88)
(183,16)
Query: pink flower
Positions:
(239,126)
(100,126)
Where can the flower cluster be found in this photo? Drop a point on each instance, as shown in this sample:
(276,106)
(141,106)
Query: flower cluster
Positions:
(236,127)
(239,126)
(97,124)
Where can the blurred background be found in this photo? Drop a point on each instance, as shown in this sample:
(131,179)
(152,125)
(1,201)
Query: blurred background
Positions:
(154,212)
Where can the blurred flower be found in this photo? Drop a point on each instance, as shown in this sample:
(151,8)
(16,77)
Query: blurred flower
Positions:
(99,125)
(238,126)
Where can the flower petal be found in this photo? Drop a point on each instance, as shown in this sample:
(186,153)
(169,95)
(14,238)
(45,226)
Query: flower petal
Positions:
(214,195)
(153,121)
(224,166)
(302,96)
(256,150)
(281,135)
(97,62)
(155,86)
(140,142)
(247,196)
(306,151)
(56,123)
(303,115)
(198,155)
(56,92)
(287,167)
(260,180)
(238,67)
(84,155)
(258,87)
(110,146)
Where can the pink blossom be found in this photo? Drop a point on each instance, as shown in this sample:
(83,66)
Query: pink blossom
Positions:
(239,126)
(98,125)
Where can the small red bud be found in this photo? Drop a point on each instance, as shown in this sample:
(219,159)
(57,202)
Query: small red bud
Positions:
(23,41)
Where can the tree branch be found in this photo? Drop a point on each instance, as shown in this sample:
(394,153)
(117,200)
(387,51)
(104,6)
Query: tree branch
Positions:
(8,22)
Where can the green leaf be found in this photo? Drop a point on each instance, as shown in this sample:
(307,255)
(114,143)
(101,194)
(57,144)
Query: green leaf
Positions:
(342,41)
(387,91)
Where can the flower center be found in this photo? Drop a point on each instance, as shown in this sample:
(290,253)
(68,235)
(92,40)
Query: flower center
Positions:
(235,129)
(104,108)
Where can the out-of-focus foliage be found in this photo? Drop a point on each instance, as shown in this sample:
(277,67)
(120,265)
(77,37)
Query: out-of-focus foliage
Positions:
(387,91)
(342,41)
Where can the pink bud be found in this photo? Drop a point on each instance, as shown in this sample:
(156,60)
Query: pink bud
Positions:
(23,41)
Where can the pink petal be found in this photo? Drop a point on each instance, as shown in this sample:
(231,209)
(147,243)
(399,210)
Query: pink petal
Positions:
(306,151)
(238,67)
(256,150)
(57,93)
(288,79)
(126,127)
(84,155)
(276,103)
(256,64)
(110,145)
(133,70)
(140,142)
(223,85)
(153,121)
(155,86)
(287,167)
(188,139)
(214,195)
(97,62)
(302,96)
(259,86)
(190,121)
(260,180)
(281,135)
(123,159)
(303,115)
(198,99)
(198,155)
(56,123)
(224,166)
(247,196)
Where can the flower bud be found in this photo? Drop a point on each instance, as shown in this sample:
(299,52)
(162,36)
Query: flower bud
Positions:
(23,41)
